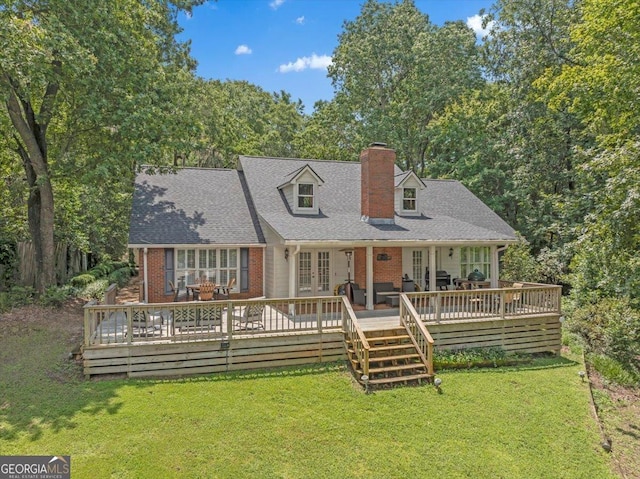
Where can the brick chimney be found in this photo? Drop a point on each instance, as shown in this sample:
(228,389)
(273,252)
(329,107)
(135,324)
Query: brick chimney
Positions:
(377,184)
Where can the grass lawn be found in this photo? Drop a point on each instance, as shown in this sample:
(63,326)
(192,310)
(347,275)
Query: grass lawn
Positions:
(529,422)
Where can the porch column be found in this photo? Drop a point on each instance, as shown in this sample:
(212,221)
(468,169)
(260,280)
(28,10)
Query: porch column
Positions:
(369,277)
(293,257)
(432,268)
(495,265)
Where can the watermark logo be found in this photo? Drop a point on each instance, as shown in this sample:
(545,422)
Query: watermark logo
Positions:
(35,467)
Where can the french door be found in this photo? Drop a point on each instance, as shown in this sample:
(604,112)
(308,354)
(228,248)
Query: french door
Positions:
(314,273)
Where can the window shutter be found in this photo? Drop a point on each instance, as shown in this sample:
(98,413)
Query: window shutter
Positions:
(168,269)
(244,269)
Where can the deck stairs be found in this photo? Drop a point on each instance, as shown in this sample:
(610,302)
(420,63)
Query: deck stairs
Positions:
(393,359)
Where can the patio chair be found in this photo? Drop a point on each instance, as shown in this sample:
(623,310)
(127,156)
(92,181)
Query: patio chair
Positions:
(146,321)
(210,316)
(223,292)
(250,318)
(513,298)
(359,296)
(177,296)
(206,291)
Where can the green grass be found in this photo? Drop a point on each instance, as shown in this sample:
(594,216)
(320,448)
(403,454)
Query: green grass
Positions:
(527,422)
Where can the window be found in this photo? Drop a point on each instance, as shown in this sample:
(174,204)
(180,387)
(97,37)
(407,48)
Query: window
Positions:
(409,199)
(478,257)
(416,267)
(305,195)
(216,265)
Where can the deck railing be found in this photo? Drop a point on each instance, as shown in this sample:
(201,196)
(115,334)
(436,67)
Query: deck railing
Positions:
(355,336)
(198,320)
(418,332)
(525,300)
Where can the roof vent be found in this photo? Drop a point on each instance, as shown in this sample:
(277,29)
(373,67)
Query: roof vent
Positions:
(378,143)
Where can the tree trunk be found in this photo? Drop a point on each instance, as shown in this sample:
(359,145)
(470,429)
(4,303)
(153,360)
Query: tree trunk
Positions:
(32,148)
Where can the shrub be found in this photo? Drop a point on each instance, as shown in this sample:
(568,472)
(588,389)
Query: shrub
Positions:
(82,280)
(611,328)
(614,370)
(56,296)
(95,290)
(21,296)
(120,276)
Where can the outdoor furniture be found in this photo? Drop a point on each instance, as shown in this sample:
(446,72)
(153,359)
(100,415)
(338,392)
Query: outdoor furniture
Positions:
(250,318)
(512,299)
(147,321)
(223,292)
(194,289)
(210,316)
(393,299)
(382,290)
(461,283)
(205,292)
(176,293)
(359,294)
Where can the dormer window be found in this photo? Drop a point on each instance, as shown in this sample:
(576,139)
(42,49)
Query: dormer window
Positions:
(305,195)
(409,199)
(301,191)
(407,196)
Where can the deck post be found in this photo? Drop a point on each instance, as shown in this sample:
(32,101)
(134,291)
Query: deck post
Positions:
(230,320)
(129,316)
(438,306)
(319,314)
(502,300)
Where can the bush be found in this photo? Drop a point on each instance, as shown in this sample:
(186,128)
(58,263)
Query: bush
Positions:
(95,290)
(82,280)
(56,296)
(121,276)
(611,328)
(614,371)
(21,296)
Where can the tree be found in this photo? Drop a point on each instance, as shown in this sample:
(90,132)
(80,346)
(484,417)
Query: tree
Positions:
(73,71)
(395,70)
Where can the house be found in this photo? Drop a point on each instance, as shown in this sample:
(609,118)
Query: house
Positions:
(298,227)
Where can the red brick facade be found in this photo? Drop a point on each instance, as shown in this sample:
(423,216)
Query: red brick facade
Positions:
(377,182)
(383,270)
(156,269)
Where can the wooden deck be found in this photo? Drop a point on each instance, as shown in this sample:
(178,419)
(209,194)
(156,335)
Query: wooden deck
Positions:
(207,337)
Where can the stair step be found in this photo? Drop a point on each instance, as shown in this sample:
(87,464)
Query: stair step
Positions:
(391,347)
(400,367)
(399,379)
(399,357)
(374,339)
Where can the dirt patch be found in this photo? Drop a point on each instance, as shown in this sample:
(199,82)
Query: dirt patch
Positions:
(618,409)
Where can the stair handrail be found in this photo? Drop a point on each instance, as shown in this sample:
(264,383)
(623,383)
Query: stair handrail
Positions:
(355,334)
(417,331)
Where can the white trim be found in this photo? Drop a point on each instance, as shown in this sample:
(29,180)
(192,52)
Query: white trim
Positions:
(198,245)
(146,276)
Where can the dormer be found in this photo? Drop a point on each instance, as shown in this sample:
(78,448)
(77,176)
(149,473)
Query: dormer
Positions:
(408,187)
(301,191)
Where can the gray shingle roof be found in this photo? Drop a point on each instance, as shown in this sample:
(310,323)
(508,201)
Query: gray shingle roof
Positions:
(450,211)
(193,206)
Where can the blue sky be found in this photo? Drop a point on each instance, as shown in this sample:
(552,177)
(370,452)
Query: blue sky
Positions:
(287,44)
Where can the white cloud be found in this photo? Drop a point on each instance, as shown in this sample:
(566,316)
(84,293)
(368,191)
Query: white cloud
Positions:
(243,50)
(276,3)
(300,20)
(475,23)
(315,62)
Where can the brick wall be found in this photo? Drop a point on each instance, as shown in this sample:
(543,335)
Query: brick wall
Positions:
(383,271)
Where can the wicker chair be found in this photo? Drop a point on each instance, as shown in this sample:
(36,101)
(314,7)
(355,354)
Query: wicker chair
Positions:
(206,291)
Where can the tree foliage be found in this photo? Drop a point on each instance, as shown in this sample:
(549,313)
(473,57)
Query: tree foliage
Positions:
(75,76)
